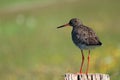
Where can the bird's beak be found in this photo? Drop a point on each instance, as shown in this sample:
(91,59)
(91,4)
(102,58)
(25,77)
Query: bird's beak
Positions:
(64,25)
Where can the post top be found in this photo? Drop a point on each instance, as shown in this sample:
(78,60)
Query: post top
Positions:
(89,76)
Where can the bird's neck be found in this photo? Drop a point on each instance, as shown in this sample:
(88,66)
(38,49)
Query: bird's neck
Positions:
(78,26)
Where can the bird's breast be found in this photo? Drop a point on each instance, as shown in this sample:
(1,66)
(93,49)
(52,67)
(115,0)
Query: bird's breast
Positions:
(78,41)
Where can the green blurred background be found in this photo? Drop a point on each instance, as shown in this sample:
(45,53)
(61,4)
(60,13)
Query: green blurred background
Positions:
(31,48)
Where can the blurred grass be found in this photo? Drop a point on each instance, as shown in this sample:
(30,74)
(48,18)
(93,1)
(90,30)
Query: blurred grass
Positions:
(31,48)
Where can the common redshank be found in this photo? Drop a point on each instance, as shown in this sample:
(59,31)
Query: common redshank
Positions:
(84,38)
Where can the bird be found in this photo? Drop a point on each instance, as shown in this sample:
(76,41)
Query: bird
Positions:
(84,38)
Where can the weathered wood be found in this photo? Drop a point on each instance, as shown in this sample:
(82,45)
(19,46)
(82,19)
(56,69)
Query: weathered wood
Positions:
(89,76)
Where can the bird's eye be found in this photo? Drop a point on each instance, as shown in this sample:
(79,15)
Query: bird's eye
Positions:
(75,21)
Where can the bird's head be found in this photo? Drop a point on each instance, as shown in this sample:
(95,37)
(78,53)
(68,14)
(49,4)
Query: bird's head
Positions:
(74,22)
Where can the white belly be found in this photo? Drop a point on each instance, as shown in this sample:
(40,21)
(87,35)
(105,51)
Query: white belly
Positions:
(83,46)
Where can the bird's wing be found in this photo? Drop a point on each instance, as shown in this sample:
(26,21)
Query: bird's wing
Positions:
(87,36)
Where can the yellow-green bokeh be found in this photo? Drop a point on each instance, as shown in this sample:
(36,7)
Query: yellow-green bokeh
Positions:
(31,48)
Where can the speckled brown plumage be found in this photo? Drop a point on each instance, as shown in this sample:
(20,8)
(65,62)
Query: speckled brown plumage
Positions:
(84,37)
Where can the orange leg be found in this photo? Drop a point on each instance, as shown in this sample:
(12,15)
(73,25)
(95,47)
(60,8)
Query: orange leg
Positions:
(82,61)
(88,61)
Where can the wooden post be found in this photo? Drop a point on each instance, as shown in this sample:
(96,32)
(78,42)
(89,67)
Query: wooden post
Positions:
(89,76)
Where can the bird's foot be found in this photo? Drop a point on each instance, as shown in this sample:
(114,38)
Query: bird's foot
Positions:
(78,73)
(86,73)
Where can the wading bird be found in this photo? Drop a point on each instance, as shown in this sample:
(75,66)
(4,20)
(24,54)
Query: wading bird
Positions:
(83,37)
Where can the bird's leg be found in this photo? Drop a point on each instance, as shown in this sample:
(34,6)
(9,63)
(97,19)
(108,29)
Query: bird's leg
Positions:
(82,61)
(88,61)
